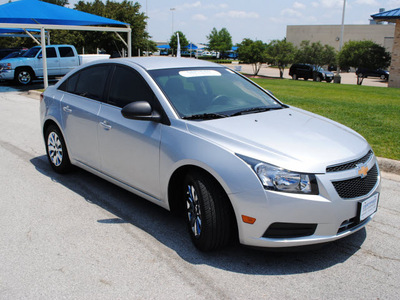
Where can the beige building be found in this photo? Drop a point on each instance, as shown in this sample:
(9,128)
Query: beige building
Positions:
(381,34)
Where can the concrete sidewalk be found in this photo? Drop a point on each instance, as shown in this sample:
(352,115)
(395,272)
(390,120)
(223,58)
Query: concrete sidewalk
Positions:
(346,78)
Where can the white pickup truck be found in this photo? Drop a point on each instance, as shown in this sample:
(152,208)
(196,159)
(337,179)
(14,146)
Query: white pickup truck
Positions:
(60,60)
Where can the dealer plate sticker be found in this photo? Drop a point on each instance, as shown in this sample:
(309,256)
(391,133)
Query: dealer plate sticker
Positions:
(368,207)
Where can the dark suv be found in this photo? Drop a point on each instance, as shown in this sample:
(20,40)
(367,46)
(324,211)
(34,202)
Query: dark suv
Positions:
(307,71)
(364,72)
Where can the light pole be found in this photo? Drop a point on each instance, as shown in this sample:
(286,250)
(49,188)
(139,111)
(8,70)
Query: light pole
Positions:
(172,11)
(337,78)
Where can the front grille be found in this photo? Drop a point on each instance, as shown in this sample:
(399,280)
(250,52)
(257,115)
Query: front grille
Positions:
(357,187)
(349,165)
(289,230)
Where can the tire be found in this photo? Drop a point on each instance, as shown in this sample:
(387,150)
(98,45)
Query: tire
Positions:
(329,80)
(383,77)
(318,79)
(208,213)
(23,76)
(56,150)
(305,78)
(294,77)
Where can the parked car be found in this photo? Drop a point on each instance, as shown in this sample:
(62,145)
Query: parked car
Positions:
(308,71)
(5,51)
(15,54)
(364,72)
(60,60)
(197,137)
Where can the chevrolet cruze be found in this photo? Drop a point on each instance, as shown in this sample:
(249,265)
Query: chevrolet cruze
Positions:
(201,139)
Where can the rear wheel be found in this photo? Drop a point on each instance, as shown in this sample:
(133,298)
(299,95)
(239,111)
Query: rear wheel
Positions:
(318,79)
(56,150)
(23,76)
(208,212)
(294,76)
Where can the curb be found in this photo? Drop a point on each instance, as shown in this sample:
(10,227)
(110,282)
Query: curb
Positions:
(389,165)
(385,164)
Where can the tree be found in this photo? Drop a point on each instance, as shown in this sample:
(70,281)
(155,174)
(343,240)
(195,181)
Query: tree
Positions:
(57,2)
(365,54)
(253,52)
(315,54)
(126,11)
(173,42)
(220,40)
(280,53)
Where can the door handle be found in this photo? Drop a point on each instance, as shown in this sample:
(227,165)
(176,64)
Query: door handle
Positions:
(67,109)
(105,125)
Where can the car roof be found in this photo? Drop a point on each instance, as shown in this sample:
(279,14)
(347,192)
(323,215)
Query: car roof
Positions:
(157,63)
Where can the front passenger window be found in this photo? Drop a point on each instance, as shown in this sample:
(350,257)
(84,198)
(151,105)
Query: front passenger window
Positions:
(128,86)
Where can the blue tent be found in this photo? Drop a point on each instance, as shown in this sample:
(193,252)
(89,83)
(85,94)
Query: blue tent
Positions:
(164,47)
(192,46)
(38,12)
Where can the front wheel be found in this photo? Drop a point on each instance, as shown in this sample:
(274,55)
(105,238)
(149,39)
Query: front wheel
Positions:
(56,150)
(23,76)
(208,212)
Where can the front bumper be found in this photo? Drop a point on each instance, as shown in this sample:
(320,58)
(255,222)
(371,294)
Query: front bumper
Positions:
(7,75)
(291,220)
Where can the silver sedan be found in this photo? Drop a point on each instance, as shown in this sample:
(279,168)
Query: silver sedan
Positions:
(201,139)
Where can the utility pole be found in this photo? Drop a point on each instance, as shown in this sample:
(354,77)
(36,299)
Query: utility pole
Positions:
(337,77)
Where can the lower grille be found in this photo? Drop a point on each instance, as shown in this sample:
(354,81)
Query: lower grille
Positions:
(357,187)
(289,230)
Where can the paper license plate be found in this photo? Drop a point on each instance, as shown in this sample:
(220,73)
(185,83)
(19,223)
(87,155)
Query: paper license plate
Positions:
(368,207)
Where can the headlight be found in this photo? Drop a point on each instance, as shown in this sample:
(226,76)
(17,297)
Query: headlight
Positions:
(5,66)
(278,179)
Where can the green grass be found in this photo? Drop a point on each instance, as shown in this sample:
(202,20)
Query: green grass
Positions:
(374,112)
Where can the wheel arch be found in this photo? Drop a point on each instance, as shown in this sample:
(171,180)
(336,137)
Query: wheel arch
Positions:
(177,206)
(26,67)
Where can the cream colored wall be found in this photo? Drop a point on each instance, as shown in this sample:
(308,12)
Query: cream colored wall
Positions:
(330,34)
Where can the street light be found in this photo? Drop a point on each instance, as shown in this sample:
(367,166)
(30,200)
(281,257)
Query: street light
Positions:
(172,11)
(337,76)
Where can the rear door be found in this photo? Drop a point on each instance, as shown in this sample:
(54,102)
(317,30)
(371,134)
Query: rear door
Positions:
(68,59)
(80,107)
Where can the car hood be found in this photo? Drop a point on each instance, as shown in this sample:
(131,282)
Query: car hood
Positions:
(289,138)
(15,60)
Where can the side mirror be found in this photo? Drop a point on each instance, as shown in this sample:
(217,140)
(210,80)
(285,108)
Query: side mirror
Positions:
(140,110)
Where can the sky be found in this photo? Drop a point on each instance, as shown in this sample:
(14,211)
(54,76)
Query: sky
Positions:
(263,20)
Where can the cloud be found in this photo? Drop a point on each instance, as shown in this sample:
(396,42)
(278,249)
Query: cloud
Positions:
(291,12)
(367,2)
(298,5)
(186,6)
(238,14)
(199,17)
(329,4)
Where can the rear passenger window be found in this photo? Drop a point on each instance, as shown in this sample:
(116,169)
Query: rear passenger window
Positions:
(89,82)
(128,86)
(66,51)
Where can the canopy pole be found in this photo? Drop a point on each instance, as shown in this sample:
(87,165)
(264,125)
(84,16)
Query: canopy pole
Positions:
(44,57)
(32,37)
(120,37)
(130,42)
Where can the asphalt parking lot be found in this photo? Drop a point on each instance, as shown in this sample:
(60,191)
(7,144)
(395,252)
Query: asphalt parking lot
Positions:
(79,237)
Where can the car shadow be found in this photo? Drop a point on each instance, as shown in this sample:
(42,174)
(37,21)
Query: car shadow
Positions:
(10,86)
(171,231)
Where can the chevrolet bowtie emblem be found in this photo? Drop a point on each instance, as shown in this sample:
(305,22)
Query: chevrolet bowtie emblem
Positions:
(362,170)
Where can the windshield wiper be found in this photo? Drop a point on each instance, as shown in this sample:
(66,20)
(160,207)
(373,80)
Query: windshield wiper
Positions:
(206,116)
(254,110)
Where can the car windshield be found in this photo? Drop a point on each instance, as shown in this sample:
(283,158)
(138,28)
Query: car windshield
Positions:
(210,93)
(32,52)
